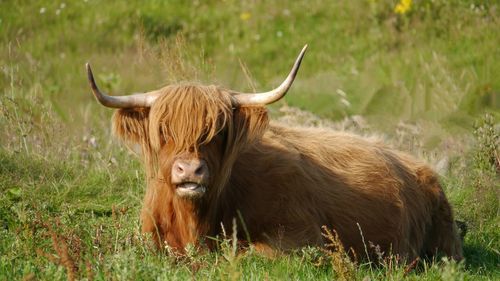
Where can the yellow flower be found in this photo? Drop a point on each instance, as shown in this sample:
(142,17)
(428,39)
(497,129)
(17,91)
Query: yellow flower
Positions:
(245,16)
(402,7)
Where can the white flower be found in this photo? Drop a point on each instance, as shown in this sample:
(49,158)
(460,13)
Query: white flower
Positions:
(42,10)
(341,93)
(92,142)
(345,102)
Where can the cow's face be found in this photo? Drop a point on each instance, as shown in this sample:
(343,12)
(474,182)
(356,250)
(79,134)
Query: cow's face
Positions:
(189,128)
(192,172)
(191,136)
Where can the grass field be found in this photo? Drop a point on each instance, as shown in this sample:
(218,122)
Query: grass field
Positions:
(426,79)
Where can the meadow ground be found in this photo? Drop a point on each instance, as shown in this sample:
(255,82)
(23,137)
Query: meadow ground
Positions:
(423,75)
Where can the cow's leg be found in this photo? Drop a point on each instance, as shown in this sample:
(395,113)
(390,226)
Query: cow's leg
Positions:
(265,250)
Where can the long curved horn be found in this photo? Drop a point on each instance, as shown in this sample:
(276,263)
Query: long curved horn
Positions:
(135,100)
(256,99)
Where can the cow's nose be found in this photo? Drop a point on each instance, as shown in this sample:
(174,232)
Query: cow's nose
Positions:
(192,170)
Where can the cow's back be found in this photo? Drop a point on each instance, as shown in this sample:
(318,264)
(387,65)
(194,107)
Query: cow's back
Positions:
(296,180)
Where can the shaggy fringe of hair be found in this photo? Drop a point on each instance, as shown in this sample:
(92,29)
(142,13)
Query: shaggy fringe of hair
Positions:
(190,115)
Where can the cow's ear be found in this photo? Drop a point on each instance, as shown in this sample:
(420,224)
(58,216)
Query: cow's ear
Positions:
(131,125)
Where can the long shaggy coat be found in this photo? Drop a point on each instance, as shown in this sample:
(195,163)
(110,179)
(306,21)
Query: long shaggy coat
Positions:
(281,184)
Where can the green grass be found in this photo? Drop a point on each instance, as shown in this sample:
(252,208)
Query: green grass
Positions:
(425,80)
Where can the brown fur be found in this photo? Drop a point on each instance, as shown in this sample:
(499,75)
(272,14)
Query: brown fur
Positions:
(282,184)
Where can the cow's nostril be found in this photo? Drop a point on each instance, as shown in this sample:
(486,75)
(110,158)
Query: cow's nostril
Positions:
(179,169)
(200,170)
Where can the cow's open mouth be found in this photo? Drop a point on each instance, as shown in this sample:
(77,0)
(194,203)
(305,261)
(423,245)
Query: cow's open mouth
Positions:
(190,189)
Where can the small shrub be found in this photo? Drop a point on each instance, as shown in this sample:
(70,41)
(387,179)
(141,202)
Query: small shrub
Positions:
(486,156)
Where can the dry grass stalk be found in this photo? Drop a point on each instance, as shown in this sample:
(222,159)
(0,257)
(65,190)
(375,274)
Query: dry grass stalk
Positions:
(409,268)
(29,277)
(90,273)
(341,263)
(63,245)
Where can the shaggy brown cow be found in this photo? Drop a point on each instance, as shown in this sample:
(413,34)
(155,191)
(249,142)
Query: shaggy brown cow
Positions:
(212,156)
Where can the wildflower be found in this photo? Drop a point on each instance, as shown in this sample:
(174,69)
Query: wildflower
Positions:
(42,10)
(402,7)
(341,93)
(245,16)
(345,102)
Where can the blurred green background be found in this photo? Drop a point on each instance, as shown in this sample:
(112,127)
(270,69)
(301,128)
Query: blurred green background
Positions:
(439,60)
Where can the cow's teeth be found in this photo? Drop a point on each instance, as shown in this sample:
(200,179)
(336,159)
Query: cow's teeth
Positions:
(189,185)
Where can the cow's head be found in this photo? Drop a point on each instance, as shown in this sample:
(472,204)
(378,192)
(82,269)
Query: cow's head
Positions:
(191,134)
